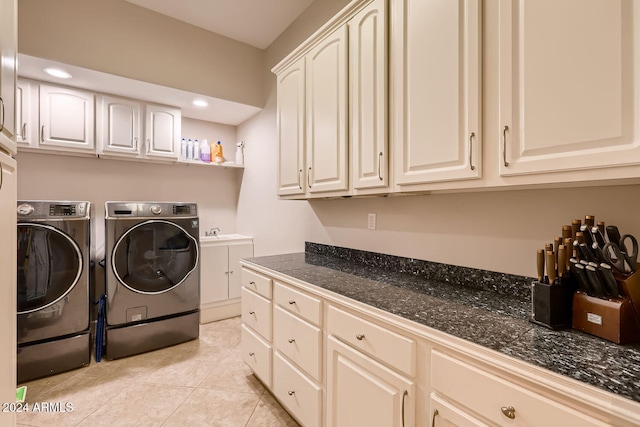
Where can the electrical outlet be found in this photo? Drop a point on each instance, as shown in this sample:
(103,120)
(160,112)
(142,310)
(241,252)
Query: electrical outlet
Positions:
(371,221)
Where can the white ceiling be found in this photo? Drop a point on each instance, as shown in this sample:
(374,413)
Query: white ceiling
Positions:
(255,22)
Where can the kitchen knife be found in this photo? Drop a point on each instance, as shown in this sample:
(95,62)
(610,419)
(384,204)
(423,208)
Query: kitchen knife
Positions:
(576,250)
(562,262)
(613,234)
(586,232)
(569,250)
(580,237)
(597,250)
(601,226)
(609,280)
(575,227)
(586,252)
(566,232)
(594,280)
(540,265)
(556,244)
(598,236)
(551,267)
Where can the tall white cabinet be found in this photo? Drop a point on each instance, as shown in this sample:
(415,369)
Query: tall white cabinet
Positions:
(569,85)
(436,105)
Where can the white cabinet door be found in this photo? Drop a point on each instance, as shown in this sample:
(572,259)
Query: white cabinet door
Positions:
(236,253)
(569,85)
(290,114)
(27,114)
(214,283)
(162,132)
(8,286)
(362,392)
(8,65)
(368,97)
(66,119)
(326,101)
(118,126)
(435,67)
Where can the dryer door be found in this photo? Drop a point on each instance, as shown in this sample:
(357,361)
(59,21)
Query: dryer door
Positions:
(49,266)
(154,257)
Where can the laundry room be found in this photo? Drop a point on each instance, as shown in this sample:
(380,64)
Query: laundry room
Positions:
(321,212)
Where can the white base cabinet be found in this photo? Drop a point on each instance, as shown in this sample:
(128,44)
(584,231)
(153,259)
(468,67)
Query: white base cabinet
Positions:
(220,280)
(336,362)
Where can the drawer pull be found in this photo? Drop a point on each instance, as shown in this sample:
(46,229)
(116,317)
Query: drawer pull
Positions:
(292,302)
(291,341)
(360,337)
(509,412)
(252,354)
(252,283)
(252,312)
(433,419)
(291,392)
(405,394)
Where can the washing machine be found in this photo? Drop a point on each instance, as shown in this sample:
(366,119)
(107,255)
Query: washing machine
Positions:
(152,276)
(53,309)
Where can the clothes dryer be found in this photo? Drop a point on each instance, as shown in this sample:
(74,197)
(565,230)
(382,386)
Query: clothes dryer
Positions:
(152,276)
(53,308)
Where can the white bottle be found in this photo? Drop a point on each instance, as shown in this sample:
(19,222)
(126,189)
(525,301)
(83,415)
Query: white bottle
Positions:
(240,153)
(205,151)
(196,150)
(189,149)
(183,149)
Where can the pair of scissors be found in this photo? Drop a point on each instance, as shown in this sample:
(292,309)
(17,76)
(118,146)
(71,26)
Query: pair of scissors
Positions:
(618,256)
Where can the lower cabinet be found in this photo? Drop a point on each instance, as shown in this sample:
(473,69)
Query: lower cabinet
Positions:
(444,414)
(299,394)
(363,392)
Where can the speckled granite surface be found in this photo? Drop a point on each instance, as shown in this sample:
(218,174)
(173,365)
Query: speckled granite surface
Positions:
(486,308)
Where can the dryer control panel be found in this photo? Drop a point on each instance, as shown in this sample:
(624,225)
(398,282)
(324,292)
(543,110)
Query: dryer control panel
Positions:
(44,209)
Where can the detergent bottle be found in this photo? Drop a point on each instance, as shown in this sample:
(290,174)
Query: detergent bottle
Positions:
(217,153)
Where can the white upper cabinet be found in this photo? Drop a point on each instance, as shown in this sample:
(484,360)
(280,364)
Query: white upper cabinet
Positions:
(436,81)
(368,97)
(118,126)
(8,65)
(26,114)
(66,119)
(291,121)
(326,110)
(569,85)
(162,132)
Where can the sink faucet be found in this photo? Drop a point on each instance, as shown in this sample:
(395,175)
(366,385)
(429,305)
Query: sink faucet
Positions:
(212,232)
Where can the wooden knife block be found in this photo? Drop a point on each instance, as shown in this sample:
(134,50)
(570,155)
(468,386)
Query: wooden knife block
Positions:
(616,320)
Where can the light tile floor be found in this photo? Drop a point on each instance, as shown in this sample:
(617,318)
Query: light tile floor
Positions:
(203,382)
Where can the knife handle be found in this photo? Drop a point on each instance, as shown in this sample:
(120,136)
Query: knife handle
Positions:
(613,234)
(580,237)
(551,267)
(590,220)
(586,252)
(609,280)
(568,245)
(575,227)
(540,265)
(598,236)
(588,237)
(566,232)
(601,227)
(562,262)
(594,280)
(583,282)
(556,244)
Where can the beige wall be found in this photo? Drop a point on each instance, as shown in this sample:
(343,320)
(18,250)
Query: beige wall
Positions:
(120,38)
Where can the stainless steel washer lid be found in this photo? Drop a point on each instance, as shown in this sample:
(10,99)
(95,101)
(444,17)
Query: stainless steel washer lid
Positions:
(150,210)
(52,210)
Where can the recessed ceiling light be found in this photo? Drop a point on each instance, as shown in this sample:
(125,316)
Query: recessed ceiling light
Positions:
(200,103)
(55,72)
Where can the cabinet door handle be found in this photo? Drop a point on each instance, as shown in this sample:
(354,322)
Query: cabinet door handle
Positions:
(252,354)
(299,180)
(291,341)
(252,312)
(24,132)
(433,419)
(231,272)
(471,151)
(1,176)
(309,177)
(509,412)
(148,146)
(404,395)
(2,112)
(380,166)
(292,302)
(252,283)
(360,337)
(42,134)
(135,144)
(291,392)
(504,146)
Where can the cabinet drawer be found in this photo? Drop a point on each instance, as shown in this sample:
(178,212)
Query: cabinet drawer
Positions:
(300,341)
(256,353)
(388,347)
(301,396)
(256,312)
(305,306)
(256,282)
(487,395)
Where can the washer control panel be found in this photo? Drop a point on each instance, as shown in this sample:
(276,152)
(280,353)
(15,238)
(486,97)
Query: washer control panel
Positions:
(42,209)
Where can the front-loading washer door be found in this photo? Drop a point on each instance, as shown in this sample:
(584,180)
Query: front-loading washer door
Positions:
(49,266)
(154,257)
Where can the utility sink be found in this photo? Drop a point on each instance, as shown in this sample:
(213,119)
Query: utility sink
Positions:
(223,237)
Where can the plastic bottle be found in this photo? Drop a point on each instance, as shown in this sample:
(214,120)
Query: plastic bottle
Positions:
(196,150)
(240,153)
(219,157)
(189,149)
(183,149)
(205,151)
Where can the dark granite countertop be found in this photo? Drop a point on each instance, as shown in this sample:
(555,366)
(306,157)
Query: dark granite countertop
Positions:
(486,316)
